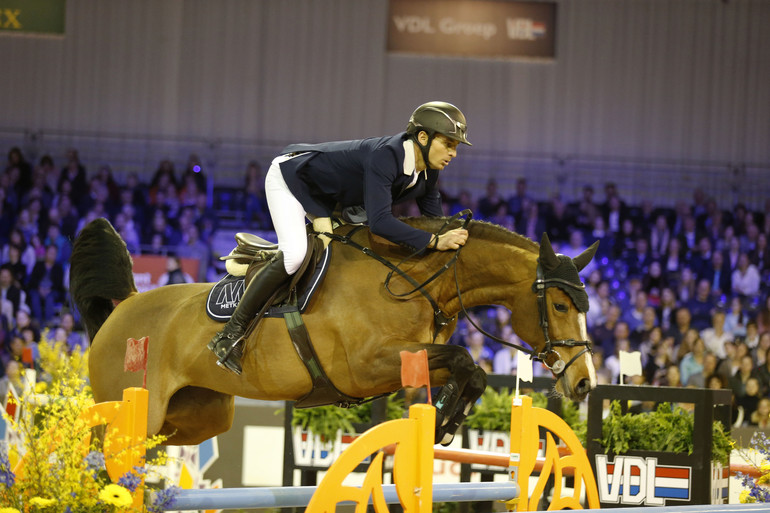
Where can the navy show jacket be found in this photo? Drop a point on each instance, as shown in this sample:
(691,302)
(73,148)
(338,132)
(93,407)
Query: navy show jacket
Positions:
(374,173)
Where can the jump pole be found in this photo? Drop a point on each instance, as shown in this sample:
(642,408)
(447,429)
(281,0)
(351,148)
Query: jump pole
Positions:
(299,496)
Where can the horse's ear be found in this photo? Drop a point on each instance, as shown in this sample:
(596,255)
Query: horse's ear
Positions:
(583,258)
(547,255)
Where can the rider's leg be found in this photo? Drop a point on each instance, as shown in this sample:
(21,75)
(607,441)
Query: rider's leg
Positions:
(289,222)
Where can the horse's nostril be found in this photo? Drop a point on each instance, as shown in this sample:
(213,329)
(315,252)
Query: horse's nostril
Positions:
(583,386)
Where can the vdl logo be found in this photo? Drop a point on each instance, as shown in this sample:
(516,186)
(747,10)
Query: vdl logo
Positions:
(637,480)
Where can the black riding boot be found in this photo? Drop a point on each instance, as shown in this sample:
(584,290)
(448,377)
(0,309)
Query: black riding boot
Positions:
(227,345)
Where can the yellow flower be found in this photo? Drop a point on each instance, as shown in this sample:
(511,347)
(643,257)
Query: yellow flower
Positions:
(745,497)
(116,495)
(40,502)
(40,387)
(9,510)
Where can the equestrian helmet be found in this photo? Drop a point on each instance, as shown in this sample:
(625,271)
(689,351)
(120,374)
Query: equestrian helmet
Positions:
(439,118)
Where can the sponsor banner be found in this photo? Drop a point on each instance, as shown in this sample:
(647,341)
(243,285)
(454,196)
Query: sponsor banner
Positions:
(311,451)
(464,28)
(637,480)
(32,16)
(720,483)
(641,481)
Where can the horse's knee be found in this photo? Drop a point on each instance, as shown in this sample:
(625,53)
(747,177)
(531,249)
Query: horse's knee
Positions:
(476,385)
(456,359)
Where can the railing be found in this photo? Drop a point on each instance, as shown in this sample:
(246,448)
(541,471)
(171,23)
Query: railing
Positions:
(662,181)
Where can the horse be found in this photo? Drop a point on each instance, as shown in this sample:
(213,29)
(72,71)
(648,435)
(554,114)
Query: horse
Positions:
(357,325)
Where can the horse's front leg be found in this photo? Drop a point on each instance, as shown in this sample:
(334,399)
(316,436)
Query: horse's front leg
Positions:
(453,365)
(477,383)
(464,386)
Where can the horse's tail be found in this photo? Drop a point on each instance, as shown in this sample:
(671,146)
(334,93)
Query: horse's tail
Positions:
(100,273)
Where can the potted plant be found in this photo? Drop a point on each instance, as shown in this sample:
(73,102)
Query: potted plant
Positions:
(668,428)
(322,433)
(489,424)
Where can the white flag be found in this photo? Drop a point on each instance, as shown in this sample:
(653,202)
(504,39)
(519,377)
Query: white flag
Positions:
(630,363)
(523,367)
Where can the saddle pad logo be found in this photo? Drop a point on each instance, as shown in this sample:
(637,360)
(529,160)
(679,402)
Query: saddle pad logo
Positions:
(224,297)
(227,292)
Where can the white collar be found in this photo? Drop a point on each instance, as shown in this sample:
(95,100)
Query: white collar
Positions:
(409,158)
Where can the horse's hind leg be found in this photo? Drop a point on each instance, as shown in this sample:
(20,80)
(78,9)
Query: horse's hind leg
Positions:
(196,414)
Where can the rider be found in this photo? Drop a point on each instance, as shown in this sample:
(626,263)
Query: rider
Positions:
(311,180)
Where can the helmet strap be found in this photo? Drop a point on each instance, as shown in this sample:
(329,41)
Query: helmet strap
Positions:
(424,148)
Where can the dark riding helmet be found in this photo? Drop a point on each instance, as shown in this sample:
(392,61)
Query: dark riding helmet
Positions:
(439,118)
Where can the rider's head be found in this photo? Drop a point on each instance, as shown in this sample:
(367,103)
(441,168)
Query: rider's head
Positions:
(434,118)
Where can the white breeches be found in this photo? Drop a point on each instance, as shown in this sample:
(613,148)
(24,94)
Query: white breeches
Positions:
(288,217)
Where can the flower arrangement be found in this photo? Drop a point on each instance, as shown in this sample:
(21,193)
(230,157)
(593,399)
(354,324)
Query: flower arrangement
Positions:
(755,490)
(51,463)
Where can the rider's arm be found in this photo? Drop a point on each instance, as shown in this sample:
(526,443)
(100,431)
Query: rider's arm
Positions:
(379,176)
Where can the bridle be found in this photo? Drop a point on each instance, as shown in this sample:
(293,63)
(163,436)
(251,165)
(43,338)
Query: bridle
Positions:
(548,356)
(559,367)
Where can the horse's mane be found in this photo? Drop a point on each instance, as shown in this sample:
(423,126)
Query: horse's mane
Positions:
(478,229)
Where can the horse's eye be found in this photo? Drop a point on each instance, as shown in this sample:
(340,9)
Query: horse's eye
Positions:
(560,307)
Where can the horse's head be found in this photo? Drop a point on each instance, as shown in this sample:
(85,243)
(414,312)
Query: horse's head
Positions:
(562,305)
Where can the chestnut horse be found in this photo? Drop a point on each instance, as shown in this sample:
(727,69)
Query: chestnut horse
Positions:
(357,326)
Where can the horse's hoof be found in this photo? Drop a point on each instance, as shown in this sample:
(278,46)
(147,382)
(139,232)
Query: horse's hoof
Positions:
(447,439)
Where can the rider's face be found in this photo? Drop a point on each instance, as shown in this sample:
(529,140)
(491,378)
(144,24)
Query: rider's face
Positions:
(442,150)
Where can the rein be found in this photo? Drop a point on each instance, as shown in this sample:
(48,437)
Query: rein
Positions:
(440,318)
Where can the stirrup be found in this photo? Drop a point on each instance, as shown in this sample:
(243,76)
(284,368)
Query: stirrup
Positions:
(228,357)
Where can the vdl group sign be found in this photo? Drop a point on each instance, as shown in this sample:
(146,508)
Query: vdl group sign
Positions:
(32,17)
(470,28)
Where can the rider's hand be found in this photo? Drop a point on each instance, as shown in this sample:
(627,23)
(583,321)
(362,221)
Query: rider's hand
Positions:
(452,239)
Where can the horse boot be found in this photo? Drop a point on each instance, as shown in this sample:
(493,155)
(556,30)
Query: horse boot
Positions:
(227,344)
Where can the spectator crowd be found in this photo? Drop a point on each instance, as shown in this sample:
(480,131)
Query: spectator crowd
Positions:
(686,285)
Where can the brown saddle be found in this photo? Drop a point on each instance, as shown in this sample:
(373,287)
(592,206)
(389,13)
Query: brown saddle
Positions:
(252,253)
